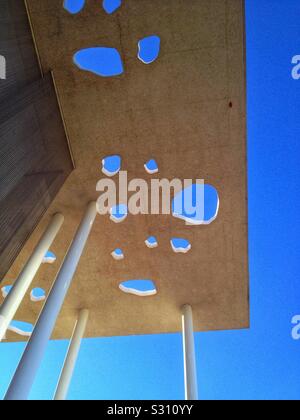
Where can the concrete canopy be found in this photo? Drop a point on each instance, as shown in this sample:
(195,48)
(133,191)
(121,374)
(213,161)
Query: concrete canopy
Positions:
(188,111)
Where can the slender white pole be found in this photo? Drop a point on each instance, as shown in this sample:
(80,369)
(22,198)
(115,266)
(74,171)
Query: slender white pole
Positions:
(23,379)
(71,358)
(190,369)
(12,302)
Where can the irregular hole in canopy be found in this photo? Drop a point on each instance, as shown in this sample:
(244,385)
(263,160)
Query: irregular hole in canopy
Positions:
(118,254)
(74,6)
(149,49)
(180,245)
(102,61)
(5,290)
(21,328)
(49,258)
(197,204)
(110,6)
(151,167)
(37,295)
(111,165)
(142,288)
(151,242)
(118,213)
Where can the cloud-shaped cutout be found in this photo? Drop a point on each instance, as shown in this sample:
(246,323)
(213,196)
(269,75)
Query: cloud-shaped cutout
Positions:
(119,213)
(151,242)
(110,6)
(37,295)
(111,165)
(141,288)
(149,49)
(74,6)
(102,61)
(180,246)
(118,254)
(197,204)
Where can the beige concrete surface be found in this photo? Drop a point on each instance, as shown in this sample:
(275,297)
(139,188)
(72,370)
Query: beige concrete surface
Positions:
(188,111)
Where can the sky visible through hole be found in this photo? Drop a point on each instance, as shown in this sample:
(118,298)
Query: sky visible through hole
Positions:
(151,166)
(262,363)
(149,48)
(111,165)
(49,258)
(74,6)
(23,327)
(102,61)
(139,285)
(180,245)
(151,242)
(118,252)
(38,293)
(110,6)
(196,204)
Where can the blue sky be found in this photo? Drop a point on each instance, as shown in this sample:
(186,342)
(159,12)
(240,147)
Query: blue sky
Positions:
(264,362)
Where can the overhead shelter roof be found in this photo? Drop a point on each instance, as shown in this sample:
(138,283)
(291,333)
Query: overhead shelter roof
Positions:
(188,111)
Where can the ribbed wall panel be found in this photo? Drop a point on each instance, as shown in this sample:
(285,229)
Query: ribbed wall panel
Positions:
(16,45)
(35,159)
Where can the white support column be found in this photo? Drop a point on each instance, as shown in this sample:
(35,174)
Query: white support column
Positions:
(71,358)
(12,302)
(23,379)
(190,369)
